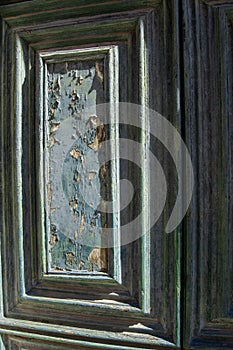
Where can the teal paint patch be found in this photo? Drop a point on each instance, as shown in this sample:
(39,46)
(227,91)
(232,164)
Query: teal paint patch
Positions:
(74,87)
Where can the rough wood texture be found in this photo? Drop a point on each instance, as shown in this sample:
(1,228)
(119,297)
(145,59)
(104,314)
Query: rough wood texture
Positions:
(208,112)
(143,310)
(219,3)
(47,343)
(140,306)
(175,57)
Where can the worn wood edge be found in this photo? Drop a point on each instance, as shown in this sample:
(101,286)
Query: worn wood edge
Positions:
(144,156)
(83,42)
(66,293)
(71,27)
(63,36)
(72,37)
(7,125)
(219,3)
(99,52)
(25,8)
(102,319)
(100,306)
(79,21)
(78,335)
(29,339)
(115,168)
(20,76)
(47,308)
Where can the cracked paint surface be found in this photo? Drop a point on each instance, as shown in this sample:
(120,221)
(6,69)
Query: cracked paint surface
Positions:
(72,88)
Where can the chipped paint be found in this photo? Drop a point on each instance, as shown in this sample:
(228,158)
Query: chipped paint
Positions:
(73,86)
(97,257)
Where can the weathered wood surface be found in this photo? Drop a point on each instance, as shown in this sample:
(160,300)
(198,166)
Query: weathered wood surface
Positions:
(208,54)
(143,309)
(74,90)
(181,295)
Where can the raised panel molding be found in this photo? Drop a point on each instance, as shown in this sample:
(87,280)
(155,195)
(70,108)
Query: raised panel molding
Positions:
(60,309)
(219,3)
(208,37)
(47,343)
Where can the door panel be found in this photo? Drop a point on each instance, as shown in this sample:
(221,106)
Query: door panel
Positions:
(158,291)
(129,303)
(208,242)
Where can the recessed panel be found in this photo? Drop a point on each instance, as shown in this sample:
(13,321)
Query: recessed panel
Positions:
(75,177)
(46,301)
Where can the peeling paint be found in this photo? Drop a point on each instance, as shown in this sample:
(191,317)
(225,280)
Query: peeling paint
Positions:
(75,153)
(70,90)
(97,257)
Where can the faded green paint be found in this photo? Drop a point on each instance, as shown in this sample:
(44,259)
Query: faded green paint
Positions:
(72,88)
(44,313)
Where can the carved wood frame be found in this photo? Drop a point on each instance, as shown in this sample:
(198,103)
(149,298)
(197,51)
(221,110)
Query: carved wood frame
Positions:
(26,31)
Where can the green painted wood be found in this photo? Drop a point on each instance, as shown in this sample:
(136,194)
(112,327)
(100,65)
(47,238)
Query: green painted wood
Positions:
(86,29)
(73,88)
(208,110)
(17,341)
(24,15)
(113,6)
(70,306)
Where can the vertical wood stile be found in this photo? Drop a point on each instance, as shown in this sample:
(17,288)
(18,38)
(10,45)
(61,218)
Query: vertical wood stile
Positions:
(143,96)
(20,76)
(41,113)
(115,176)
(225,51)
(179,231)
(2,31)
(33,123)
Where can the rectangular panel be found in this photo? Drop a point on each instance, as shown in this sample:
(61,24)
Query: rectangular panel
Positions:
(139,306)
(75,180)
(209,240)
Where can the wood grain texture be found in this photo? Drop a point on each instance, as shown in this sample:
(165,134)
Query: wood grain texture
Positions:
(8,2)
(219,3)
(83,309)
(25,14)
(208,110)
(21,343)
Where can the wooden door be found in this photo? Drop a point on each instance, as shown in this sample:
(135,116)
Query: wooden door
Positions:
(157,290)
(208,113)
